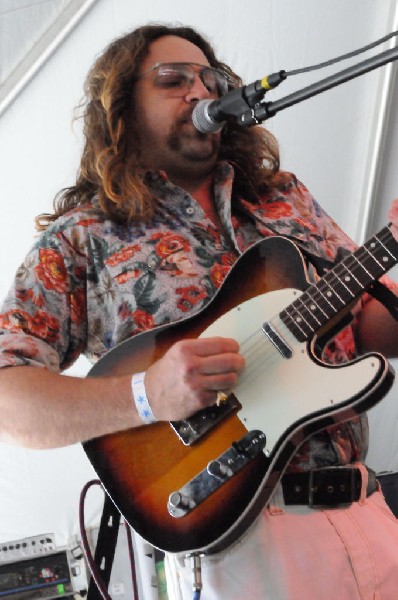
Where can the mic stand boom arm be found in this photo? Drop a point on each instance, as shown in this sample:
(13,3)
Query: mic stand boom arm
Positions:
(266,110)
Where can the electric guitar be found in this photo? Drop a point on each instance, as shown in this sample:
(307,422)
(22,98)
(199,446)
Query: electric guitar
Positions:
(197,485)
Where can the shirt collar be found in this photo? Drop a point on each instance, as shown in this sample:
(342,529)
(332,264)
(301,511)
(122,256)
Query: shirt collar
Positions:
(161,184)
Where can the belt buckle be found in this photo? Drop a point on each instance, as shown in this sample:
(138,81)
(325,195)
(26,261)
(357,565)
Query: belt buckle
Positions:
(332,487)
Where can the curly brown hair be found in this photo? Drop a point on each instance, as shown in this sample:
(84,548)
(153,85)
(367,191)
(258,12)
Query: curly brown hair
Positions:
(109,167)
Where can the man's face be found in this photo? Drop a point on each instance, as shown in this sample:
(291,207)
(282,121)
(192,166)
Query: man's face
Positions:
(168,138)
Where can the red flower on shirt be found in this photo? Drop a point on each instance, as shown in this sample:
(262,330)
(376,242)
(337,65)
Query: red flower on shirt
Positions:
(127,275)
(305,224)
(123,255)
(87,222)
(78,305)
(51,270)
(169,243)
(45,327)
(21,346)
(142,320)
(228,259)
(190,296)
(26,295)
(15,320)
(218,273)
(277,210)
(40,325)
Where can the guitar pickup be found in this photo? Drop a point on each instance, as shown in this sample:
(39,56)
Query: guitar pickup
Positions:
(278,341)
(217,472)
(195,427)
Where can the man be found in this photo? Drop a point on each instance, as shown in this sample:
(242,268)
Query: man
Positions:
(158,215)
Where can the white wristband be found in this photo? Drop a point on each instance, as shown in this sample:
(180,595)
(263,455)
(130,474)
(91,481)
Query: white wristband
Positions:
(141,400)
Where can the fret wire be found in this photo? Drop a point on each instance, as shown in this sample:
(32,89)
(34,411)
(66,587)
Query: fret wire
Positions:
(374,258)
(333,292)
(365,251)
(301,316)
(318,299)
(310,312)
(353,277)
(326,298)
(334,274)
(342,277)
(385,247)
(364,268)
(294,321)
(351,264)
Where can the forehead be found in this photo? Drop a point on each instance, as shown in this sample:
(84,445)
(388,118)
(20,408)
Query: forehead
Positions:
(171,48)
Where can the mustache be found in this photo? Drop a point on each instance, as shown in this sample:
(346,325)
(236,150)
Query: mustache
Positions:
(186,118)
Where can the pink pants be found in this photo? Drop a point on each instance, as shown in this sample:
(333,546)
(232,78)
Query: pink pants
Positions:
(298,553)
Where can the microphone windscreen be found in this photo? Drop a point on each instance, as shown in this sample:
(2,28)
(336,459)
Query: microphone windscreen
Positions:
(202,120)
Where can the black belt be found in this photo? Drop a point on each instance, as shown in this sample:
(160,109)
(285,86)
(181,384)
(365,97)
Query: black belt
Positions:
(326,487)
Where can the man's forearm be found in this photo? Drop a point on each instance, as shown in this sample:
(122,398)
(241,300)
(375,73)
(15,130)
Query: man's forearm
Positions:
(377,330)
(41,409)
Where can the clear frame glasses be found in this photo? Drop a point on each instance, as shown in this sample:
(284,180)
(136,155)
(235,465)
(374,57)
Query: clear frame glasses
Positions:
(177,78)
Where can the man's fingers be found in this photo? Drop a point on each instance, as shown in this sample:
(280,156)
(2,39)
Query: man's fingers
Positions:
(211,346)
(393,217)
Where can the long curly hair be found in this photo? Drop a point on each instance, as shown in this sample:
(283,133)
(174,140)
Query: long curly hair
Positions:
(109,168)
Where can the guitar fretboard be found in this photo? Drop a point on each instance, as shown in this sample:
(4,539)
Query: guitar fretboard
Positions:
(352,276)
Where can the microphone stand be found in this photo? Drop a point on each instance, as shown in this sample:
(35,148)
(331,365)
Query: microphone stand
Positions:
(266,110)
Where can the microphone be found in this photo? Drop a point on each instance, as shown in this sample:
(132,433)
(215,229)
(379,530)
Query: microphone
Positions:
(209,116)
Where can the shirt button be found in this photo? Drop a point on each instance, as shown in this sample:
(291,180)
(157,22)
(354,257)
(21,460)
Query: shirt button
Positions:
(190,210)
(151,262)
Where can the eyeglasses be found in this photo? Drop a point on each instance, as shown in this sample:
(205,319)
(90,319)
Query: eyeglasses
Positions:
(178,78)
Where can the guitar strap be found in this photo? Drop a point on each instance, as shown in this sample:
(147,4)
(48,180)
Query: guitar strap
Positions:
(381,293)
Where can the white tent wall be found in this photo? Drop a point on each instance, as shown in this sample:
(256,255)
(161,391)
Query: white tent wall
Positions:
(327,141)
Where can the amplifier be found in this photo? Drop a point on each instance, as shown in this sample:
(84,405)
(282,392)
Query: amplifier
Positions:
(47,576)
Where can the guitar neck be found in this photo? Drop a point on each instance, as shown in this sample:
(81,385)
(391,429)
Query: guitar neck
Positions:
(342,285)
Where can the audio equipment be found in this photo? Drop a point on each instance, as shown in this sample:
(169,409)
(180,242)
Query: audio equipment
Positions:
(44,576)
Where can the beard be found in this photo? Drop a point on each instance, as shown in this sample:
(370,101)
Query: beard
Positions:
(190,143)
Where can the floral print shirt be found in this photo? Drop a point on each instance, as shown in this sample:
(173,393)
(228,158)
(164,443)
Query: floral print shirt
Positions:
(89,283)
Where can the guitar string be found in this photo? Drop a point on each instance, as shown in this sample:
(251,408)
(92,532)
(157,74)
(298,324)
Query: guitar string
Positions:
(350,264)
(266,355)
(258,350)
(263,350)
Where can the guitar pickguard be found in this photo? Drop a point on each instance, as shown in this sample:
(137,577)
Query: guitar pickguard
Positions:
(277,393)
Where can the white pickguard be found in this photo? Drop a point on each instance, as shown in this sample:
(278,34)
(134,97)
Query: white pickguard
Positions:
(276,392)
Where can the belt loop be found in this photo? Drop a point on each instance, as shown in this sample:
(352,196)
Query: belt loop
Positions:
(364,485)
(276,503)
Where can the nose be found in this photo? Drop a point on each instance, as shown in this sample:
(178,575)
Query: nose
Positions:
(198,91)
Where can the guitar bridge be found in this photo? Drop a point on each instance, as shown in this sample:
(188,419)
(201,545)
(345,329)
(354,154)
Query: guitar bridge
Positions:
(195,427)
(217,472)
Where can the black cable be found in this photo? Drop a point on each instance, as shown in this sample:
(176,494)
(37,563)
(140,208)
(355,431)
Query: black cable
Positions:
(96,575)
(132,561)
(332,61)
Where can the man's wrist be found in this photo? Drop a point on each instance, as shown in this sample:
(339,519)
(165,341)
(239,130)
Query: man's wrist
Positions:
(141,400)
